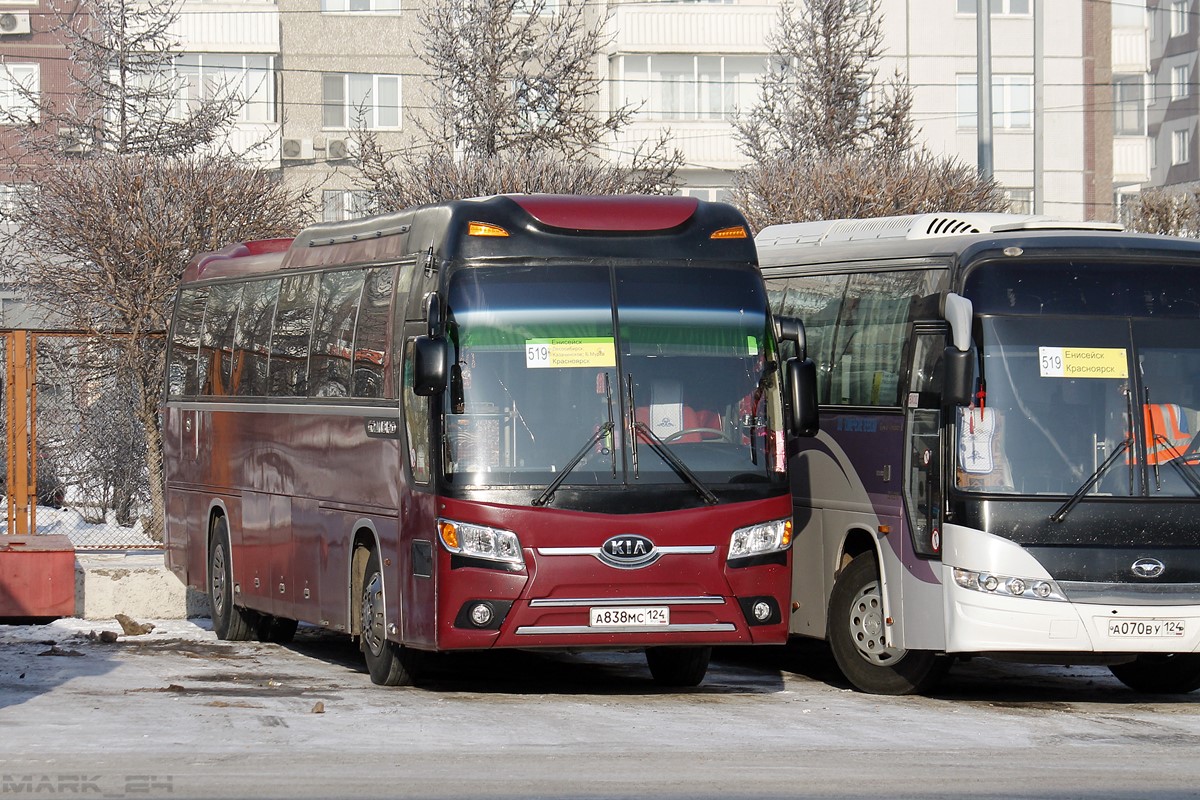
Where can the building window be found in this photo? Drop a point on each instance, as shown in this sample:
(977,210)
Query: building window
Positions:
(356,99)
(1012,102)
(1020,201)
(360,6)
(686,87)
(1179,17)
(1180,76)
(1000,8)
(720,194)
(210,76)
(1129,105)
(343,204)
(10,196)
(1181,146)
(20,88)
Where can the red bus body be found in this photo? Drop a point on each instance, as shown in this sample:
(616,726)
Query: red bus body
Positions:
(306,488)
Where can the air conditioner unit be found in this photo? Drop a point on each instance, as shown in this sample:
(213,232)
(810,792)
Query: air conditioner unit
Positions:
(296,149)
(338,149)
(14,22)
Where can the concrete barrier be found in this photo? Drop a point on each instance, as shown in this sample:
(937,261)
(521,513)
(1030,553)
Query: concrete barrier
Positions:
(135,583)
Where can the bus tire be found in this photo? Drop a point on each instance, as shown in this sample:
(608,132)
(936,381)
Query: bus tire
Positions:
(678,666)
(230,622)
(856,637)
(389,663)
(276,630)
(1160,673)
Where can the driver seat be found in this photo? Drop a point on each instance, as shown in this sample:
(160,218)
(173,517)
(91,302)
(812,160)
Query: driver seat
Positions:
(667,414)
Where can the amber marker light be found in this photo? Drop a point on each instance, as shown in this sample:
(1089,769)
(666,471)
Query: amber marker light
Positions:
(787,534)
(485,229)
(736,232)
(449,534)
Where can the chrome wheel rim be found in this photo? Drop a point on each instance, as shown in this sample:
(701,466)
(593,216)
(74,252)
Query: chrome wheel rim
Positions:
(372,614)
(867,628)
(219,578)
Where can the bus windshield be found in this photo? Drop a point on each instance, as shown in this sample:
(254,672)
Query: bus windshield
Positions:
(1060,393)
(546,356)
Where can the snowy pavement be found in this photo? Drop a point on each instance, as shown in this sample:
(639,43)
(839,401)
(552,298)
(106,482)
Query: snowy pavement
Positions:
(176,713)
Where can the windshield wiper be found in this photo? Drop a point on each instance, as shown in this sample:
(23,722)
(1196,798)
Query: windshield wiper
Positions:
(604,430)
(1061,514)
(664,452)
(548,493)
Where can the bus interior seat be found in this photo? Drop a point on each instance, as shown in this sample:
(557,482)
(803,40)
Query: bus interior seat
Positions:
(668,414)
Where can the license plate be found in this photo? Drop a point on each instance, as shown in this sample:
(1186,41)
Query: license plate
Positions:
(629,617)
(1145,628)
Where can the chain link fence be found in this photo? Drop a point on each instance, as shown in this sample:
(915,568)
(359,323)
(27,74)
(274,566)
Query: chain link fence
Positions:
(93,474)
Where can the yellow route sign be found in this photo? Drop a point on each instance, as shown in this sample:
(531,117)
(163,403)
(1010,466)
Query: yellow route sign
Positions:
(597,351)
(1083,362)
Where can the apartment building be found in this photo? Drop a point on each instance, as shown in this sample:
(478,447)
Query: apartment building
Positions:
(1173,104)
(314,69)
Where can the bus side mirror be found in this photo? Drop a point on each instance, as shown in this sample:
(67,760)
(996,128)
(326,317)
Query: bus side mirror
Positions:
(430,358)
(790,329)
(958,388)
(802,394)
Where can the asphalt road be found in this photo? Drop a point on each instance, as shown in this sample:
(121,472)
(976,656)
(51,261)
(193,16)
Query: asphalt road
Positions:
(177,714)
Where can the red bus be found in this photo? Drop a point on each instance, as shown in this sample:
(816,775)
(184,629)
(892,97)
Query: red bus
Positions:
(513,422)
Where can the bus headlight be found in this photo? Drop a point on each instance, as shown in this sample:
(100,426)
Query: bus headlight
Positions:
(480,541)
(765,537)
(1008,585)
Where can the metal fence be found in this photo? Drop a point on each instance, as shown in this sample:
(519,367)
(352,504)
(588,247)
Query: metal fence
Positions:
(82,440)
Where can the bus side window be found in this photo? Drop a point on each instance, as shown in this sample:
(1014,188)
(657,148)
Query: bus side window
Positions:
(817,301)
(370,341)
(252,341)
(216,342)
(333,333)
(291,337)
(185,340)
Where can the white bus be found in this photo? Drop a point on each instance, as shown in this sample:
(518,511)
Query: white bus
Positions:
(1008,460)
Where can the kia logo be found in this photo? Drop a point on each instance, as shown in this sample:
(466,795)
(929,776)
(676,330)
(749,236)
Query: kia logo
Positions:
(628,551)
(1148,568)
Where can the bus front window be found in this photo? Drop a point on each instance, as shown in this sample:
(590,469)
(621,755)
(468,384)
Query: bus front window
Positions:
(545,357)
(1063,405)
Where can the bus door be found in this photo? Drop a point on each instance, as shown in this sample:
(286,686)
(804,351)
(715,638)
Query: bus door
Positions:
(924,492)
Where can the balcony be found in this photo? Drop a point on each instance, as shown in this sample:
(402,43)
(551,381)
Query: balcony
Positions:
(705,144)
(690,28)
(230,27)
(1131,159)
(1129,50)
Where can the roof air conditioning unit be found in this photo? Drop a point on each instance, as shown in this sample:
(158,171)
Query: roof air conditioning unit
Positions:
(296,149)
(14,22)
(339,149)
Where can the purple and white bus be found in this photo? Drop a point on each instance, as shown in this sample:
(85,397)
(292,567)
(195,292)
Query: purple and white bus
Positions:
(1008,460)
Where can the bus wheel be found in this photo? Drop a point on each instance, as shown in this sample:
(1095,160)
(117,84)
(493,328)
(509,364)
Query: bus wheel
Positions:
(230,622)
(1160,673)
(278,630)
(678,666)
(856,637)
(390,664)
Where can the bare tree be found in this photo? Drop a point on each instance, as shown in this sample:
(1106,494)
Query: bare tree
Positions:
(826,141)
(105,239)
(856,186)
(515,107)
(123,92)
(820,94)
(1174,213)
